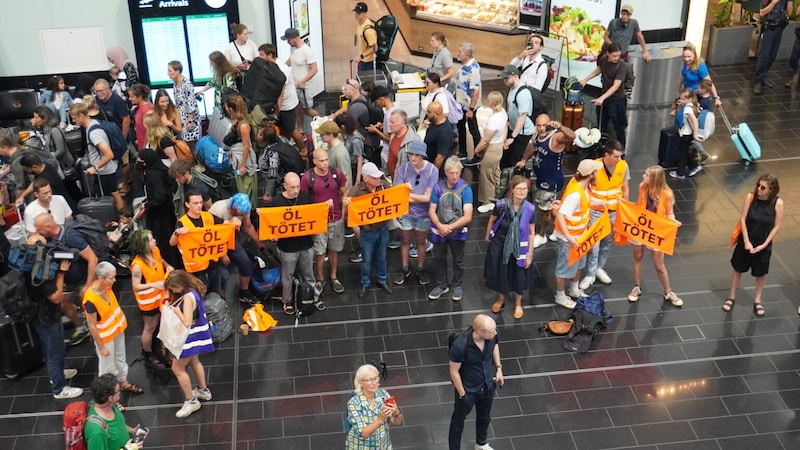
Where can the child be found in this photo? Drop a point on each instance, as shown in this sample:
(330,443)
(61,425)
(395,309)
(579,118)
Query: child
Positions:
(706,102)
(686,121)
(125,222)
(118,81)
(57,98)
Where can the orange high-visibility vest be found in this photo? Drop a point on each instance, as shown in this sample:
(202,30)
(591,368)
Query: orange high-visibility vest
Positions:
(208,220)
(149,299)
(609,190)
(579,220)
(112,320)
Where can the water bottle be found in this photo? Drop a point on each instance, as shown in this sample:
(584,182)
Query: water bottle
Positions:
(212,326)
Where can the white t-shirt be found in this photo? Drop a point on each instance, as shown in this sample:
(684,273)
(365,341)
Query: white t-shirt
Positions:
(220,209)
(301,58)
(534,75)
(688,112)
(249,50)
(58,208)
(441,98)
(498,122)
(290,100)
(569,205)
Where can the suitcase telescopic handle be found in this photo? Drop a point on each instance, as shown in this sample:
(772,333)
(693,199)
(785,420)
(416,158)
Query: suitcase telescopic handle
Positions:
(731,129)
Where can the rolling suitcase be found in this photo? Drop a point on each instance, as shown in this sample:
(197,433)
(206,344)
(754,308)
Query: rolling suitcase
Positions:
(669,151)
(20,348)
(743,139)
(572,117)
(100,208)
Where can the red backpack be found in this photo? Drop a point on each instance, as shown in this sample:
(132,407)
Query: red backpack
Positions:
(75,416)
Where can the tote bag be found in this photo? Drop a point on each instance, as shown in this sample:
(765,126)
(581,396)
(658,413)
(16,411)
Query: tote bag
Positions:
(172,332)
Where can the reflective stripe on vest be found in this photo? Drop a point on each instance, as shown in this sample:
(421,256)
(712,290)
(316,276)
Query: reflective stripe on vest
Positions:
(149,299)
(577,222)
(112,319)
(208,220)
(609,190)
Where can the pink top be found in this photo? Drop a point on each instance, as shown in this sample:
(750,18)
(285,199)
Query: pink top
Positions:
(141,131)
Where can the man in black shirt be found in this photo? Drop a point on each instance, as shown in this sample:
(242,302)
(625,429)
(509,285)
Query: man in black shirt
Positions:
(439,137)
(612,105)
(32,164)
(264,83)
(296,253)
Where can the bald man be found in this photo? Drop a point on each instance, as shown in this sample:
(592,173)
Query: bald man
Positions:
(475,371)
(295,253)
(439,137)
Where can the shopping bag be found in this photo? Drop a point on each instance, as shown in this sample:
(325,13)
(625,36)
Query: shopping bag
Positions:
(172,332)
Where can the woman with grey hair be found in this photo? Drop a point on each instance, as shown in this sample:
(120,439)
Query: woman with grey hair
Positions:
(107,324)
(370,412)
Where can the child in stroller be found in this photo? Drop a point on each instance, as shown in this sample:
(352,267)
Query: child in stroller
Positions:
(120,232)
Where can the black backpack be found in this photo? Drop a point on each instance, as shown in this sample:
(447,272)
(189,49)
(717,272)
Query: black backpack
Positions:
(14,298)
(375,112)
(290,158)
(538,106)
(585,327)
(386,27)
(455,334)
(303,295)
(93,231)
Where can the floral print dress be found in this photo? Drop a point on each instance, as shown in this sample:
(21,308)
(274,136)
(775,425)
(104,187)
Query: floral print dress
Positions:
(186,104)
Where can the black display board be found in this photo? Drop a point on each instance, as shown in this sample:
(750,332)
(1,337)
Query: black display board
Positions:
(182,30)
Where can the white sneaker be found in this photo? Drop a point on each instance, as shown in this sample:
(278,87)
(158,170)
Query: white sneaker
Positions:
(539,241)
(187,409)
(485,208)
(553,237)
(636,292)
(673,298)
(566,302)
(202,394)
(68,392)
(576,294)
(602,275)
(70,373)
(586,282)
(483,447)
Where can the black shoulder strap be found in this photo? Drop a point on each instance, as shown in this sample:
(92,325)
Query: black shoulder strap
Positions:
(526,68)
(237,50)
(312,177)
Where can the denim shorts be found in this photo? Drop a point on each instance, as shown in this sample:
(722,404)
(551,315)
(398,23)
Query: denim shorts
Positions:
(563,270)
(409,223)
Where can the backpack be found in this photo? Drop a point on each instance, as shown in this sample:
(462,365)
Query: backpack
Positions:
(585,327)
(303,299)
(450,207)
(630,79)
(212,155)
(572,91)
(335,171)
(386,28)
(501,188)
(220,322)
(266,271)
(215,190)
(38,260)
(76,414)
(14,298)
(536,102)
(549,73)
(707,124)
(453,335)
(182,150)
(375,112)
(116,140)
(454,112)
(93,231)
(290,158)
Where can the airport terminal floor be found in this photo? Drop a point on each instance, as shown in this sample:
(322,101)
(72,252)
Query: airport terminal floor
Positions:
(659,377)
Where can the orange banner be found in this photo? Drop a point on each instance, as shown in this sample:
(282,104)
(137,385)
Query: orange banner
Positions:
(378,206)
(600,229)
(646,227)
(201,245)
(291,221)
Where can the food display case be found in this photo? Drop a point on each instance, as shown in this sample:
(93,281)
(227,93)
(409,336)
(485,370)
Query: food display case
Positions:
(491,15)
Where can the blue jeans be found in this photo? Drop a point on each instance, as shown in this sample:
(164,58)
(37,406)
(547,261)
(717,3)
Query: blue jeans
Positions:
(767,51)
(598,255)
(373,245)
(482,401)
(793,60)
(615,110)
(54,352)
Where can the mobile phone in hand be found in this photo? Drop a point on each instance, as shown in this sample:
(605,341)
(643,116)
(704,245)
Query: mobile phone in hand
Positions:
(390,401)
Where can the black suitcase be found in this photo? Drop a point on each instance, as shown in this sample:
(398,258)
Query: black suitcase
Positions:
(20,348)
(669,147)
(100,208)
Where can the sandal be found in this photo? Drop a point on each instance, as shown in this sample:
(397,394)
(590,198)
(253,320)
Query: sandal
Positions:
(498,306)
(518,312)
(319,305)
(728,305)
(288,309)
(758,309)
(132,388)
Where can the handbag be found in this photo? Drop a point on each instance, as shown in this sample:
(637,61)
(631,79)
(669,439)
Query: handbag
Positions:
(737,231)
(172,332)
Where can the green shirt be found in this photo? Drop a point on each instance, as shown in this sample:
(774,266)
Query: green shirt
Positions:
(98,439)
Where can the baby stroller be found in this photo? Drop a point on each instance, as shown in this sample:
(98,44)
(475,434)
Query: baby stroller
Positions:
(119,239)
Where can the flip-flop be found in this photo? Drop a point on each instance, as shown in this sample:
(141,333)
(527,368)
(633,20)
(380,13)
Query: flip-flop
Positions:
(132,388)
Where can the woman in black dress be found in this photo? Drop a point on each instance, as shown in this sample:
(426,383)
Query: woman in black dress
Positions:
(159,188)
(761,218)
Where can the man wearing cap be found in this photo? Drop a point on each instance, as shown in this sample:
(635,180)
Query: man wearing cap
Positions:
(621,31)
(468,95)
(520,108)
(374,236)
(326,185)
(572,219)
(288,103)
(450,218)
(338,156)
(610,186)
(612,103)
(367,38)
(304,70)
(547,149)
(420,176)
(439,136)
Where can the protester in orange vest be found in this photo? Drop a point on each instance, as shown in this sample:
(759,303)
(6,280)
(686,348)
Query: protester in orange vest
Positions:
(195,217)
(656,196)
(148,272)
(610,185)
(572,219)
(107,324)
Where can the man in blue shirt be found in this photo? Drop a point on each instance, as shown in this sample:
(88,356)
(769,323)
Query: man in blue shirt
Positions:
(468,95)
(475,371)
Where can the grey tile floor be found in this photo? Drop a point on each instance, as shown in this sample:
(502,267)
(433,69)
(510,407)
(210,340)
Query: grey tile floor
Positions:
(658,378)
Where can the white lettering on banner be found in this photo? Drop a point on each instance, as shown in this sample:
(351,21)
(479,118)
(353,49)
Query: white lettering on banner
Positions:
(173,3)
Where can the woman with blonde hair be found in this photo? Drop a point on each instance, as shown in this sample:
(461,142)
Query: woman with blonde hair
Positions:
(224,79)
(694,69)
(243,155)
(94,111)
(168,112)
(490,151)
(370,412)
(185,298)
(159,137)
(657,197)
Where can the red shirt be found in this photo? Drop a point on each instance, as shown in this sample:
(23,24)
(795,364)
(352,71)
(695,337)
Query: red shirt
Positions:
(394,149)
(141,131)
